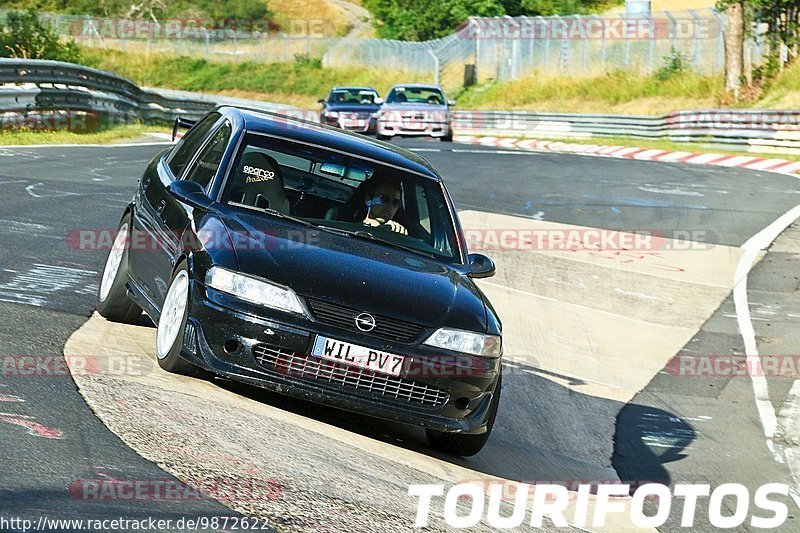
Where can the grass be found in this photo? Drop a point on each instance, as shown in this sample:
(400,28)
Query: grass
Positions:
(310,16)
(784,92)
(105,136)
(291,83)
(615,92)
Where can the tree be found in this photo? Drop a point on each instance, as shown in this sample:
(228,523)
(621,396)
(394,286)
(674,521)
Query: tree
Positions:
(24,36)
(734,47)
(420,20)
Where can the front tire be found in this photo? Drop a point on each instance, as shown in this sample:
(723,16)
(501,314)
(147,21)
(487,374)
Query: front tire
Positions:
(113,302)
(172,324)
(466,445)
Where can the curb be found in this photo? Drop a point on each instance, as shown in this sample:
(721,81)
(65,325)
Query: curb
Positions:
(779,166)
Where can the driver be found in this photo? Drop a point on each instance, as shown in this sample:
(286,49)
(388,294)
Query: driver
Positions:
(383,199)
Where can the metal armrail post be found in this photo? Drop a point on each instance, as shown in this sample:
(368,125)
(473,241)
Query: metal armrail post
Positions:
(696,56)
(674,32)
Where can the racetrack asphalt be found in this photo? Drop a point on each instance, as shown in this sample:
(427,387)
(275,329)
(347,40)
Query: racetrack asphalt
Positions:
(51,438)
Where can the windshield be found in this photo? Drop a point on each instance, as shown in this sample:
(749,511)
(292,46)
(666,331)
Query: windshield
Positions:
(342,192)
(415,95)
(352,96)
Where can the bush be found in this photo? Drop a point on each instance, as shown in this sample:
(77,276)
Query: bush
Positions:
(24,36)
(305,60)
(675,64)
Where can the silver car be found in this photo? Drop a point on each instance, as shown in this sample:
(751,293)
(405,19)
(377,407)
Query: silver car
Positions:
(416,110)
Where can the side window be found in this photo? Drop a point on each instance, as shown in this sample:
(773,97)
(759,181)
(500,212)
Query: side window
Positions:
(185,149)
(208,161)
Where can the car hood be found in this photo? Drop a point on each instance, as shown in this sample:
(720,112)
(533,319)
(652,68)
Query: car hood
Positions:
(428,108)
(356,272)
(363,108)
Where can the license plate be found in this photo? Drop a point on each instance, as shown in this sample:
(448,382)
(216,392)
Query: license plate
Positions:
(353,123)
(415,125)
(360,356)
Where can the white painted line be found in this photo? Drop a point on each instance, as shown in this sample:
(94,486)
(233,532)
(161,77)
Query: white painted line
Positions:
(756,243)
(425,149)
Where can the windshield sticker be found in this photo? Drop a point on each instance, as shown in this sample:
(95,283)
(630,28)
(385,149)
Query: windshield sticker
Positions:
(257,174)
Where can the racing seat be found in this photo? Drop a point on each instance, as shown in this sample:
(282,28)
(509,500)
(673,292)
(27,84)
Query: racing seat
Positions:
(258,182)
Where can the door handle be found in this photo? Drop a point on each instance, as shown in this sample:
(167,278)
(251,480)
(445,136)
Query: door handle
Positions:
(146,181)
(161,206)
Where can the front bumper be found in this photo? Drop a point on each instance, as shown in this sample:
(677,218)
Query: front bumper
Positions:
(358,125)
(391,128)
(270,349)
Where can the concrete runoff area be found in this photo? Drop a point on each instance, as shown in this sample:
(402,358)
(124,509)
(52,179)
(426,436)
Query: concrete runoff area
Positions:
(592,316)
(579,330)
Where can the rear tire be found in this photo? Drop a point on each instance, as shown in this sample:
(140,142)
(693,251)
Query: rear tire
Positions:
(172,324)
(382,137)
(112,295)
(466,445)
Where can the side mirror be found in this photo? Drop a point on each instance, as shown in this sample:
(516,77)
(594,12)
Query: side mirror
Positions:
(321,101)
(480,266)
(190,193)
(451,103)
(378,100)
(181,122)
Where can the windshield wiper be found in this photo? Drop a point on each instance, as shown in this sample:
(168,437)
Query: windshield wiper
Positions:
(275,213)
(364,234)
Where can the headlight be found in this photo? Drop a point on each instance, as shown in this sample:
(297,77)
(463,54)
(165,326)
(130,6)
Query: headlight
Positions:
(469,342)
(332,114)
(253,290)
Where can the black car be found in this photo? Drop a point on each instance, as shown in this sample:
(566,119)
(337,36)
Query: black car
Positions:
(351,108)
(251,245)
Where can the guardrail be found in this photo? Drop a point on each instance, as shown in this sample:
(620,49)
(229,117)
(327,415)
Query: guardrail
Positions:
(39,87)
(736,128)
(36,87)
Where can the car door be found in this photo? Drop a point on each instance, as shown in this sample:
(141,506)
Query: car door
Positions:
(154,246)
(175,216)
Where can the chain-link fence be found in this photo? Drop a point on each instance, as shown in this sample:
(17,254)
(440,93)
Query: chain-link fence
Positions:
(483,49)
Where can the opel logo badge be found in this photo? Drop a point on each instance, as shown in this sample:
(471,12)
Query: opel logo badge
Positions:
(365,322)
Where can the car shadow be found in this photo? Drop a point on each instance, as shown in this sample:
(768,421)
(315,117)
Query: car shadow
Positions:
(545,432)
